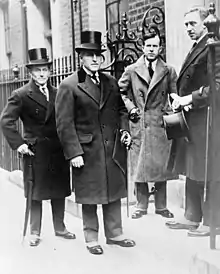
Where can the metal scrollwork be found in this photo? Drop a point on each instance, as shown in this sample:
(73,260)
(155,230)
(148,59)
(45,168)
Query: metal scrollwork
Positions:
(126,48)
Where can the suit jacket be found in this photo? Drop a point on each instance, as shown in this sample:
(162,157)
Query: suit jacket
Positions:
(88,119)
(150,153)
(194,79)
(51,170)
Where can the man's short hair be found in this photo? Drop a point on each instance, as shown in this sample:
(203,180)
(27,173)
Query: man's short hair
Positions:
(152,32)
(203,12)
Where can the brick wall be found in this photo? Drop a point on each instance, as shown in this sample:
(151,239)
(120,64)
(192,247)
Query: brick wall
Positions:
(137,8)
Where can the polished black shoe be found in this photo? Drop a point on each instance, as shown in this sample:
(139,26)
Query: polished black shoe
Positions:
(34,241)
(177,225)
(165,213)
(123,243)
(66,235)
(95,250)
(138,214)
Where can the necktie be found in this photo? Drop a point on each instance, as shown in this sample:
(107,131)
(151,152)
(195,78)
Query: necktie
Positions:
(45,92)
(95,79)
(150,69)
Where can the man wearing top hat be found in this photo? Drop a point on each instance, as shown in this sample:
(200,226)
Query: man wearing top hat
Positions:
(92,125)
(145,87)
(193,95)
(33,104)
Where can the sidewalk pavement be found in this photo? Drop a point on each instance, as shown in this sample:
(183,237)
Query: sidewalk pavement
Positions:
(158,250)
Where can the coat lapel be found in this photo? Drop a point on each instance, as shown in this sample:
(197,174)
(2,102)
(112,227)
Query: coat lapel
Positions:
(106,88)
(90,89)
(35,94)
(50,105)
(142,70)
(160,71)
(193,54)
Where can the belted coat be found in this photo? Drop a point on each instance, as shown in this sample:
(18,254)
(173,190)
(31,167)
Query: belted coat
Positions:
(189,157)
(50,168)
(150,149)
(89,120)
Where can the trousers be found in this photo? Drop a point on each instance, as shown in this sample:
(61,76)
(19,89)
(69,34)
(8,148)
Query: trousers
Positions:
(111,218)
(57,206)
(142,195)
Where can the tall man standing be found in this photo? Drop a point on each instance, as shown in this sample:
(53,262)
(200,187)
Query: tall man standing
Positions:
(193,90)
(145,87)
(33,104)
(91,119)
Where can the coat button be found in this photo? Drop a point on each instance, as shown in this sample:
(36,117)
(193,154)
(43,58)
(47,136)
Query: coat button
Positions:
(141,94)
(187,76)
(163,93)
(106,141)
(103,126)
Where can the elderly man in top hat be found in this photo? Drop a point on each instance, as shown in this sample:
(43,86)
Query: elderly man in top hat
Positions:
(193,95)
(145,87)
(92,124)
(33,104)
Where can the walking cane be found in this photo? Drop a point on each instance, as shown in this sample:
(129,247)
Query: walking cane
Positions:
(206,154)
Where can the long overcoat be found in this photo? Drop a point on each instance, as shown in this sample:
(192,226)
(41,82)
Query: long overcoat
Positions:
(150,150)
(88,121)
(50,168)
(193,79)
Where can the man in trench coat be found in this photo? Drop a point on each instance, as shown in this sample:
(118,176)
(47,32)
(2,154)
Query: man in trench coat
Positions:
(193,90)
(145,87)
(91,119)
(33,104)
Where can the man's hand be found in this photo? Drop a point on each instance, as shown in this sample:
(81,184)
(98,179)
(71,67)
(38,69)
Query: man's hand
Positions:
(23,149)
(178,102)
(126,139)
(77,161)
(134,115)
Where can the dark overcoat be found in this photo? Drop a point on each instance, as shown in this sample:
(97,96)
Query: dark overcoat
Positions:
(50,168)
(150,149)
(193,79)
(88,119)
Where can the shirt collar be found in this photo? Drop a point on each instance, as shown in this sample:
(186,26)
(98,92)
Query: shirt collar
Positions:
(154,63)
(200,38)
(90,73)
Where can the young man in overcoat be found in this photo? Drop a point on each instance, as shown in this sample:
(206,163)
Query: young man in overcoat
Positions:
(193,94)
(91,119)
(33,104)
(145,87)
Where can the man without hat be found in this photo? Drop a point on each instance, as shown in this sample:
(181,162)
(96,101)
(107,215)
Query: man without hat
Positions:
(92,124)
(145,87)
(33,104)
(194,95)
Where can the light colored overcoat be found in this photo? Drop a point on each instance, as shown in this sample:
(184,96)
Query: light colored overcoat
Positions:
(150,150)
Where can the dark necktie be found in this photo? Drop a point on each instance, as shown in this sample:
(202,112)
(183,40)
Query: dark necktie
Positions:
(95,79)
(150,69)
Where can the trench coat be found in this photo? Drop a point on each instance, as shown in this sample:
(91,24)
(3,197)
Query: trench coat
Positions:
(150,149)
(50,168)
(88,121)
(193,79)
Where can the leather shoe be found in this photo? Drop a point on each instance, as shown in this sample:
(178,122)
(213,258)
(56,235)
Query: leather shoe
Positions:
(165,213)
(95,250)
(138,214)
(177,225)
(198,233)
(123,243)
(66,235)
(35,240)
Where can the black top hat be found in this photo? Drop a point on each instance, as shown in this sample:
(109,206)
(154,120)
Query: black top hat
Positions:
(38,57)
(90,40)
(176,126)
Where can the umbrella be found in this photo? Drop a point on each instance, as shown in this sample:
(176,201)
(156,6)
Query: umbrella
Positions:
(29,194)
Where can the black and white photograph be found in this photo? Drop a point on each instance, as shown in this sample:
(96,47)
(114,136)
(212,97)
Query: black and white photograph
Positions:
(110,136)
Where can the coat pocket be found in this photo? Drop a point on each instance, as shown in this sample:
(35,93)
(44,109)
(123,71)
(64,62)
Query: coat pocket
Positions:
(85,138)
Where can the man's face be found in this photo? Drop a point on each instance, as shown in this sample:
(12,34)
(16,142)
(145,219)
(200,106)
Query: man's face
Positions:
(40,74)
(91,60)
(152,48)
(194,25)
